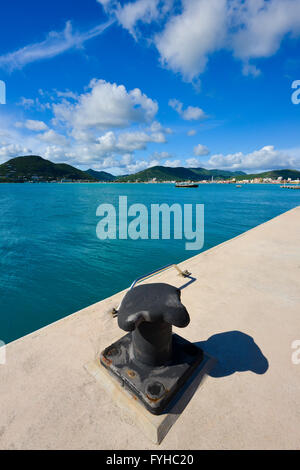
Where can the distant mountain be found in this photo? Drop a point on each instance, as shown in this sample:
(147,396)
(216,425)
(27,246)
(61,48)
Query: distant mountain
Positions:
(33,167)
(274,174)
(101,175)
(37,168)
(164,173)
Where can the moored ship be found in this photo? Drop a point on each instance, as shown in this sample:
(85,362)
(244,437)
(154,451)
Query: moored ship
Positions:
(186,185)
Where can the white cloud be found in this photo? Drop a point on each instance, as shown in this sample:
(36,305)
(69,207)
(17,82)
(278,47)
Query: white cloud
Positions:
(26,102)
(193,30)
(188,34)
(265,158)
(188,38)
(126,160)
(157,127)
(191,132)
(134,166)
(173,163)
(12,150)
(66,94)
(160,156)
(32,125)
(250,29)
(56,43)
(104,3)
(190,113)
(262,26)
(116,150)
(131,141)
(35,125)
(193,113)
(106,163)
(55,153)
(74,136)
(106,105)
(201,150)
(82,135)
(125,143)
(106,151)
(138,166)
(133,12)
(53,137)
(192,162)
(250,69)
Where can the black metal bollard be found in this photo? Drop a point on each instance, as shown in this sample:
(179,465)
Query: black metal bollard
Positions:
(152,343)
(150,361)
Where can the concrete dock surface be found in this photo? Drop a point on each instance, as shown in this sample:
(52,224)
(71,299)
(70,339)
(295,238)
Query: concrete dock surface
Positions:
(244,302)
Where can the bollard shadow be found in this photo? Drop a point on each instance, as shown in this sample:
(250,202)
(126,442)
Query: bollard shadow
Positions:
(191,280)
(224,354)
(235,352)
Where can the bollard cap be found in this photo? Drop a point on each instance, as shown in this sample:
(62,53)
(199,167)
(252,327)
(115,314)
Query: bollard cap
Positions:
(152,303)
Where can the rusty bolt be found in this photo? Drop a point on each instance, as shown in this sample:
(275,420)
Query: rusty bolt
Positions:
(155,391)
(131,373)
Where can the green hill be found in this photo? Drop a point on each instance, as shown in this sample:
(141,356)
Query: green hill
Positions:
(164,173)
(101,175)
(33,167)
(285,174)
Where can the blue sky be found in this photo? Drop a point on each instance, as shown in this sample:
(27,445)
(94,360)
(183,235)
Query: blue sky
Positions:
(121,86)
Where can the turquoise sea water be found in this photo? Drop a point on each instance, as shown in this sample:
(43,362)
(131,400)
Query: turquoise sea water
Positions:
(52,264)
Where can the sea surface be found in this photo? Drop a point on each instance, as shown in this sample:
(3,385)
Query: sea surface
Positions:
(52,263)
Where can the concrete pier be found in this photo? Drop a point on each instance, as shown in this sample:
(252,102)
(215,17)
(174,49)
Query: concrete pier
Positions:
(244,303)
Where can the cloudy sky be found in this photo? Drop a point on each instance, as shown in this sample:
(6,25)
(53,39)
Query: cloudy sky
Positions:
(123,85)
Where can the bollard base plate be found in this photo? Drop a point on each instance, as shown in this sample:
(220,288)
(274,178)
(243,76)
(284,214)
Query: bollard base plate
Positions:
(154,387)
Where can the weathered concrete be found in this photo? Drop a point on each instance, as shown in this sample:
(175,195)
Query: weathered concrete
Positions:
(155,427)
(248,287)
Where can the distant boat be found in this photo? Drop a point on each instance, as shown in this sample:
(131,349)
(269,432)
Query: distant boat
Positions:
(186,185)
(238,185)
